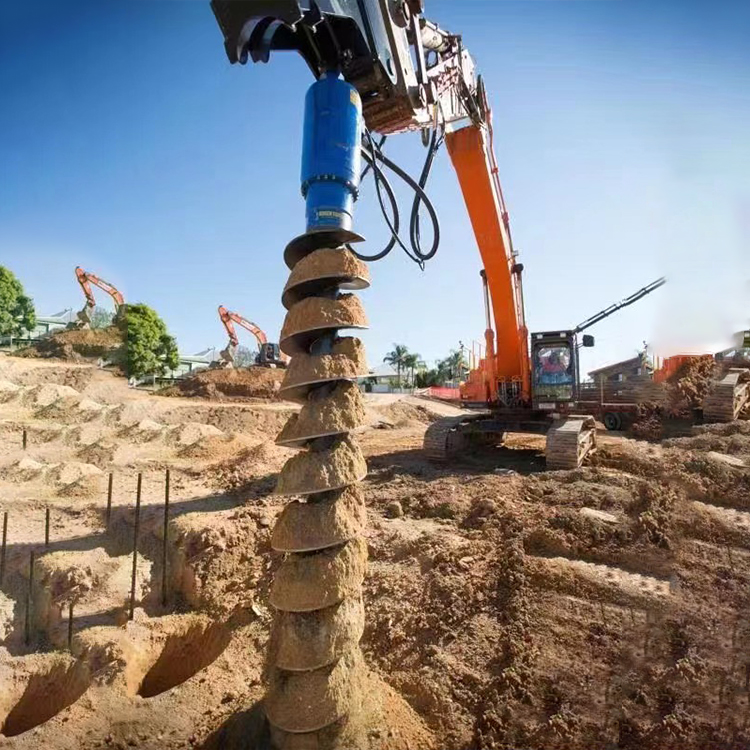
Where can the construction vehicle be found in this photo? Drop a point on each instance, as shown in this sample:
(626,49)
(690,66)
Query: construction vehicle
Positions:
(728,396)
(86,279)
(380,67)
(269,355)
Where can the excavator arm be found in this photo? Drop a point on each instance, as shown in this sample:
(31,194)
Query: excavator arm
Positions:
(268,354)
(230,318)
(410,75)
(86,279)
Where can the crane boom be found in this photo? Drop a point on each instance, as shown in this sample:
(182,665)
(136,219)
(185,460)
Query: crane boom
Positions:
(607,311)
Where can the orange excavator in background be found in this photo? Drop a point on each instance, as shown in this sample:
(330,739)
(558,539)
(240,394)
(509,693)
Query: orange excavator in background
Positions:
(86,279)
(269,355)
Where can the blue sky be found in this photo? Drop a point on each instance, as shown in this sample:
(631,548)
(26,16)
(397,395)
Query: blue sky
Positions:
(130,146)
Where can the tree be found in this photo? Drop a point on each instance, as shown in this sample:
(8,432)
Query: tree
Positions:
(427,378)
(149,347)
(244,356)
(454,365)
(412,362)
(101,317)
(396,358)
(16,309)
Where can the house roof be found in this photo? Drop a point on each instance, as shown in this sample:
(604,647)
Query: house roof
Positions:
(617,366)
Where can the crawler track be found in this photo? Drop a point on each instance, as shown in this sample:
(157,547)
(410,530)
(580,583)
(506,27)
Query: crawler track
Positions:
(729,397)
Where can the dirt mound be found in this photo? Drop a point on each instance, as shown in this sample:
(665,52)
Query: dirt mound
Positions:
(404,414)
(238,384)
(78,344)
(259,461)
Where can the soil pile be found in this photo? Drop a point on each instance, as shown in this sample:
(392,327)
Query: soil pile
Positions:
(79,344)
(236,384)
(685,392)
(687,388)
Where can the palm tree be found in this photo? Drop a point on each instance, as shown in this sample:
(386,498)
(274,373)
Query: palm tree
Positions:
(412,362)
(455,364)
(396,359)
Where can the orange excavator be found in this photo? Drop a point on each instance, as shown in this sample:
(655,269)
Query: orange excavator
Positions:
(408,74)
(269,355)
(86,279)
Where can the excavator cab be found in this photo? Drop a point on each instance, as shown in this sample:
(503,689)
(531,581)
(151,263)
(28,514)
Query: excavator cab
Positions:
(270,356)
(554,369)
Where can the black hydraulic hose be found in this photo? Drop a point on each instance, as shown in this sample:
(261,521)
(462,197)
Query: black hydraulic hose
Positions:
(394,227)
(435,143)
(372,154)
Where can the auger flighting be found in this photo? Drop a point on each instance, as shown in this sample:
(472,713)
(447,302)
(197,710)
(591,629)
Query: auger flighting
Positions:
(315,670)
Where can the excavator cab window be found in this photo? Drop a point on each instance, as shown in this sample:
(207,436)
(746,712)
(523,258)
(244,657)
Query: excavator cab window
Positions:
(554,372)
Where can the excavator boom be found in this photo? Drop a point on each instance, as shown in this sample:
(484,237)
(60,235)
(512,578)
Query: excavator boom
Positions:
(86,279)
(268,354)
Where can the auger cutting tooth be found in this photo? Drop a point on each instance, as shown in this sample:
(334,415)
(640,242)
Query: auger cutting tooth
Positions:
(324,469)
(303,641)
(302,702)
(306,372)
(314,317)
(324,268)
(338,412)
(329,521)
(314,580)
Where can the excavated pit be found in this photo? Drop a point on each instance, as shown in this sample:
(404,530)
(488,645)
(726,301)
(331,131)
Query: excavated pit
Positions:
(308,526)
(49,690)
(346,361)
(311,581)
(313,317)
(184,655)
(340,411)
(320,471)
(339,266)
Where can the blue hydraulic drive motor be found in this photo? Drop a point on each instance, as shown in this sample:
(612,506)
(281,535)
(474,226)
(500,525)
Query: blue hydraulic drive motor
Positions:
(331,153)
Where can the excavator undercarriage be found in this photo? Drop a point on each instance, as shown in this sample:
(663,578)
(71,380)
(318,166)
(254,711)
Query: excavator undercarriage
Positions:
(729,398)
(570,439)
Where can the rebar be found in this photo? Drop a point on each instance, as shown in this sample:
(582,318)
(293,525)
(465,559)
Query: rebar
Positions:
(3,547)
(29,598)
(136,526)
(165,541)
(108,515)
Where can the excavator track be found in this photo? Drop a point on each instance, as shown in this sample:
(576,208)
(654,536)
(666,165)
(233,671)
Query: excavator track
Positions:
(570,441)
(728,398)
(444,437)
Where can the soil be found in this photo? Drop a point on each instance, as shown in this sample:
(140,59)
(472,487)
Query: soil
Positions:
(235,384)
(505,606)
(79,345)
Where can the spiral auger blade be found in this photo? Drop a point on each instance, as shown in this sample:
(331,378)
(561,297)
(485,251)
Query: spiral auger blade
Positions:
(316,673)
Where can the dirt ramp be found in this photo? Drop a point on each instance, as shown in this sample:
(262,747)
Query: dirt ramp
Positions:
(237,384)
